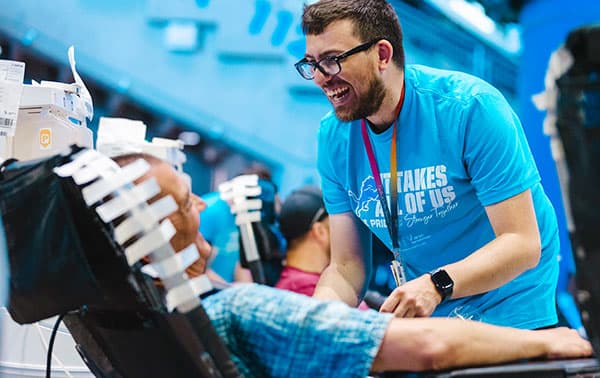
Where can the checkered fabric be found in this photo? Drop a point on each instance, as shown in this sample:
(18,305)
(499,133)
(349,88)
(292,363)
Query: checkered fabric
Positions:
(275,333)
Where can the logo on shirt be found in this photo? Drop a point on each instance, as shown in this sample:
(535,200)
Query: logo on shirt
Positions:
(367,195)
(423,194)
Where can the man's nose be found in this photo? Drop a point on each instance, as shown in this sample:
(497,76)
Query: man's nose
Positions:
(320,78)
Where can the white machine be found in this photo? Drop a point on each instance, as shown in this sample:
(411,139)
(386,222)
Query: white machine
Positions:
(37,121)
(42,119)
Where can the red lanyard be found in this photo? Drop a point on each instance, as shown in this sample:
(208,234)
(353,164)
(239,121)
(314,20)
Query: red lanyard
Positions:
(391,218)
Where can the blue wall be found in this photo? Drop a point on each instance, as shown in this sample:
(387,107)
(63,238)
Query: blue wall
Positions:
(224,86)
(234,82)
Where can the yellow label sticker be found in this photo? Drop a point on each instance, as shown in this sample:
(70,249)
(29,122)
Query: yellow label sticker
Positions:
(45,139)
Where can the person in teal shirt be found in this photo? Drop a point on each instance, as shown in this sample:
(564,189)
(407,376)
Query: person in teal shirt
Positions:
(476,234)
(219,229)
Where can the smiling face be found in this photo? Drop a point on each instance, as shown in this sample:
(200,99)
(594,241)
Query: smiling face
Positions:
(358,90)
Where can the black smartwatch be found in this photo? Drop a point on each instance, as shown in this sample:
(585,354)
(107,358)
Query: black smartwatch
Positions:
(442,282)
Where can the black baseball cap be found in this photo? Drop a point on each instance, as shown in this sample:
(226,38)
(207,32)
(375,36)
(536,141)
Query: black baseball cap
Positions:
(300,210)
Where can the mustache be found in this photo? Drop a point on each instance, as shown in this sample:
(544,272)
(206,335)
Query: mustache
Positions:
(333,82)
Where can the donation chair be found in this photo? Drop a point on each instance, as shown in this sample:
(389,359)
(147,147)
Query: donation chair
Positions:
(252,201)
(77,231)
(578,125)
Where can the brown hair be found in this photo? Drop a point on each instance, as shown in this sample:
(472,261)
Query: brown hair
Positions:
(128,158)
(372,19)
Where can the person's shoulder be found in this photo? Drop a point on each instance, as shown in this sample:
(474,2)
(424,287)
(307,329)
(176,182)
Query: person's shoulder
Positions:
(211,198)
(329,122)
(331,128)
(449,84)
(216,207)
(298,281)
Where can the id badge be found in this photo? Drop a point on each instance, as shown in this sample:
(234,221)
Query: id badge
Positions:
(398,272)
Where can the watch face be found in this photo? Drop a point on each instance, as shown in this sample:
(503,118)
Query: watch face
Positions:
(442,279)
(443,283)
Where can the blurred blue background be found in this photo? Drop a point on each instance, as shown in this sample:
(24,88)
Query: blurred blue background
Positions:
(224,69)
(219,73)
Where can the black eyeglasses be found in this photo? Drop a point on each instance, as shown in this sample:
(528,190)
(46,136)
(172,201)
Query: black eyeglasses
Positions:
(329,65)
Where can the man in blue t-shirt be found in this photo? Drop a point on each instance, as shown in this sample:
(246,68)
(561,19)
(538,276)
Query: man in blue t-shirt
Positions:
(463,210)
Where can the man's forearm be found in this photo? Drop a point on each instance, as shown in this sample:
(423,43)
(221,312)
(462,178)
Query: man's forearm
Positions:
(334,286)
(434,344)
(516,248)
(493,265)
(350,265)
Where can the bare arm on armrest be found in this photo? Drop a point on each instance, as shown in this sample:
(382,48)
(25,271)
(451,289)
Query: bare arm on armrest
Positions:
(439,343)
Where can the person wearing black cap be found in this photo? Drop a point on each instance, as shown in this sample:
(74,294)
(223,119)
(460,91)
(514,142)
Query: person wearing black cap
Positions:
(304,223)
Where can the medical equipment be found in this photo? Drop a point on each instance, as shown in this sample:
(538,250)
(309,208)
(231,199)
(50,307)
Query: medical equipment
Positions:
(42,119)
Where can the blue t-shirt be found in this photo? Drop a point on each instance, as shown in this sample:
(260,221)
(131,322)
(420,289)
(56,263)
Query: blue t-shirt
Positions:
(460,148)
(217,225)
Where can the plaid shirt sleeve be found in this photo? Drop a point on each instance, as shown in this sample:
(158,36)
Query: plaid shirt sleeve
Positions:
(275,333)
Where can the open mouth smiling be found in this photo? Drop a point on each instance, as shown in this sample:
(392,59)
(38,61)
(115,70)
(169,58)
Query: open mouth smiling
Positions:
(337,95)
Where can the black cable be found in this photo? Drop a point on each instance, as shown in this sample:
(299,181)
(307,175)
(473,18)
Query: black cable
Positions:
(51,345)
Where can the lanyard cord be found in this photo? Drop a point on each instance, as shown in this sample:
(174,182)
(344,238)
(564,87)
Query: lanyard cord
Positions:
(391,217)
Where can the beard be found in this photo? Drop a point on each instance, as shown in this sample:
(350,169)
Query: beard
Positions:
(367,104)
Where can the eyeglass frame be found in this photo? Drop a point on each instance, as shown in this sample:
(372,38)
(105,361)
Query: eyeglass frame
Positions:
(337,59)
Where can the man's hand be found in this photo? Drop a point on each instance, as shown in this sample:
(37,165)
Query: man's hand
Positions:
(416,298)
(565,343)
(205,251)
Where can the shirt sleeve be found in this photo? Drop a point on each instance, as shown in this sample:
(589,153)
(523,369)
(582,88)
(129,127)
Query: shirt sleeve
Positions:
(496,153)
(212,216)
(331,163)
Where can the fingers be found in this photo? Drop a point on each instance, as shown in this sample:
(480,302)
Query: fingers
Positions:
(391,302)
(578,346)
(399,304)
(566,343)
(416,298)
(410,312)
(572,349)
(403,305)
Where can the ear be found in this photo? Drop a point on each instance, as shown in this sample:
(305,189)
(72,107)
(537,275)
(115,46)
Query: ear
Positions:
(321,231)
(385,52)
